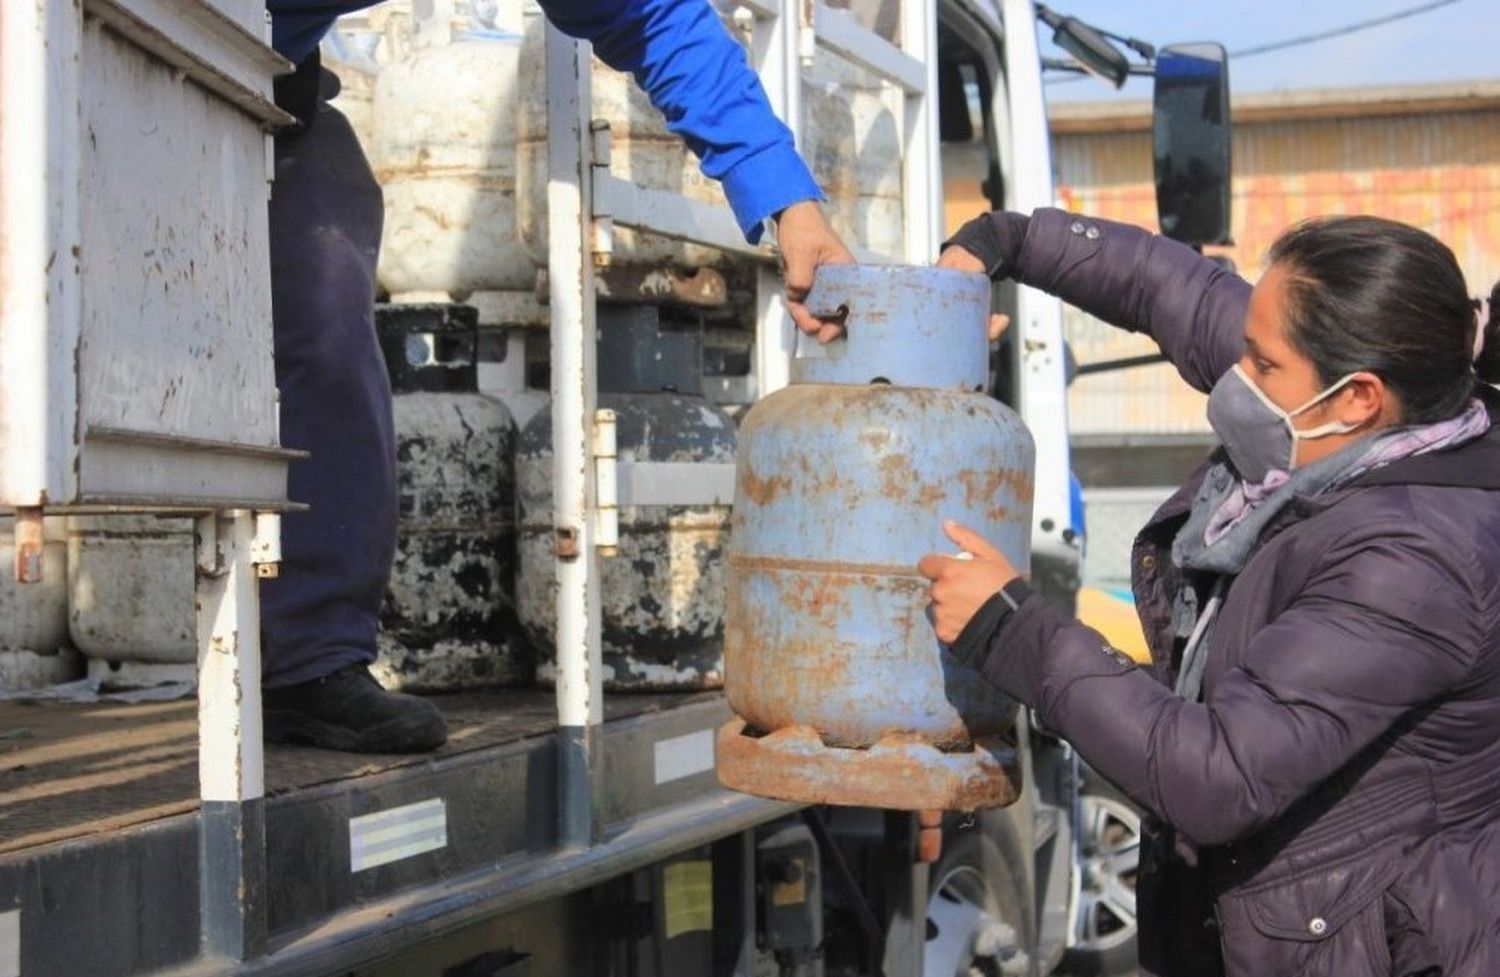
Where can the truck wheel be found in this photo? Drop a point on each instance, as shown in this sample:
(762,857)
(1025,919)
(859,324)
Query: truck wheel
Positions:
(1110,849)
(976,920)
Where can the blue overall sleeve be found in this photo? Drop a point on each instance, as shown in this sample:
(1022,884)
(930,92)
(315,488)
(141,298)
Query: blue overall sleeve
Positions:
(697,76)
(684,59)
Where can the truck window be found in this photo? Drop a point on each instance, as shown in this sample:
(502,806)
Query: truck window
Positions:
(973,181)
(968,164)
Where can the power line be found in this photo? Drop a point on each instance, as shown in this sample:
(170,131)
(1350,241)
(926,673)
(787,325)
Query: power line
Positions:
(1341,31)
(1310,38)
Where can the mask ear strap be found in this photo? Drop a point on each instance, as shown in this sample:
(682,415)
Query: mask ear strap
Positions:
(1323,430)
(1332,427)
(1333,388)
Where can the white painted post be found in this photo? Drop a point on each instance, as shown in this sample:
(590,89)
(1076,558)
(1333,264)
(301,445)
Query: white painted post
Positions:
(231,776)
(776,54)
(229,742)
(40,159)
(580,688)
(922,175)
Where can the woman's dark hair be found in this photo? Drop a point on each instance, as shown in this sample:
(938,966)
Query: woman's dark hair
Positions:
(1365,293)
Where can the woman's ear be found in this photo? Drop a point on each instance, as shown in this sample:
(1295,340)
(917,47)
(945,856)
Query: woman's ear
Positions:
(1365,398)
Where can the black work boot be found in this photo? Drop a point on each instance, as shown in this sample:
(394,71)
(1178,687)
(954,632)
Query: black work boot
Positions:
(348,710)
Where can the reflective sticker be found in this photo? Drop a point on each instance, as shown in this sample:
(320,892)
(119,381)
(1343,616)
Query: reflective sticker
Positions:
(401,832)
(683,756)
(688,900)
(10,943)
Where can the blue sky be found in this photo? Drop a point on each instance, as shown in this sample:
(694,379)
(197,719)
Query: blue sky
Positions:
(1457,42)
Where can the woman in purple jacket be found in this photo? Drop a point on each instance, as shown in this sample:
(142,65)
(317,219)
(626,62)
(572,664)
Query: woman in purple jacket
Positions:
(1318,741)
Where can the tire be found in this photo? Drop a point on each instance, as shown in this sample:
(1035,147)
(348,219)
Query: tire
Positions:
(1105,941)
(976,884)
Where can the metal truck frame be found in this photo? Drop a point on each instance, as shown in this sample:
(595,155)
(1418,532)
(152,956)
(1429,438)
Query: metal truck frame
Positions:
(592,846)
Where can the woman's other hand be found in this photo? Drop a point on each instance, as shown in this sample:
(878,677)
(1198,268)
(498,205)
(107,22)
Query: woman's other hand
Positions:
(959,259)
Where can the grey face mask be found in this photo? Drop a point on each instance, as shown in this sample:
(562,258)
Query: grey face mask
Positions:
(1258,435)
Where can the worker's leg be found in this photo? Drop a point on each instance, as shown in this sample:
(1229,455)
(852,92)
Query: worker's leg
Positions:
(320,617)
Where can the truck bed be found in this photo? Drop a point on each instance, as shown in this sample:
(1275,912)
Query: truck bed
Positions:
(99,843)
(68,769)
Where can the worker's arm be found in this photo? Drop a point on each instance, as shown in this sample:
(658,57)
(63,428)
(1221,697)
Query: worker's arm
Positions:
(684,59)
(1388,626)
(696,75)
(1127,276)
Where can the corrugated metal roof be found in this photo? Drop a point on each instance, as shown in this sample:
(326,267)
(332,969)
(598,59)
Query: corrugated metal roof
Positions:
(1261,107)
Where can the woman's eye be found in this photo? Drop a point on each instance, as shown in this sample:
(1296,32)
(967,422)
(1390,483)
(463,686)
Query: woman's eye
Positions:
(1263,366)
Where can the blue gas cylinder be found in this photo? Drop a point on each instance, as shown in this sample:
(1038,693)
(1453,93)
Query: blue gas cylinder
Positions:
(844,478)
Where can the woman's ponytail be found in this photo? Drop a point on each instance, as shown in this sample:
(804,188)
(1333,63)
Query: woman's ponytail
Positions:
(1487,339)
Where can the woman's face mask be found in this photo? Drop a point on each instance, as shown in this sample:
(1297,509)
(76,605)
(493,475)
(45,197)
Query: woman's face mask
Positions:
(1258,435)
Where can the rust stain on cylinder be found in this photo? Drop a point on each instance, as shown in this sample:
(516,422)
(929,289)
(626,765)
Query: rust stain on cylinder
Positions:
(761,491)
(862,570)
(983,486)
(29,544)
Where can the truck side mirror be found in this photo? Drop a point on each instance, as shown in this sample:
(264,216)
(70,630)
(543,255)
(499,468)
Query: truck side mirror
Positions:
(1191,143)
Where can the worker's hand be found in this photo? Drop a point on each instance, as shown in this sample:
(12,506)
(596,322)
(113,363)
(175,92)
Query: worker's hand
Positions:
(807,240)
(962,584)
(960,259)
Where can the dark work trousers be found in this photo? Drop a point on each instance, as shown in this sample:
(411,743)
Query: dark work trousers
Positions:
(326,213)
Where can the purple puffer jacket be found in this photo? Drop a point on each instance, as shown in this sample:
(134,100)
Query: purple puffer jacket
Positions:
(1332,807)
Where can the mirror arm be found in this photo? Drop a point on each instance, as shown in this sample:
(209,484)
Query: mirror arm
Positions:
(1145,50)
(1062,64)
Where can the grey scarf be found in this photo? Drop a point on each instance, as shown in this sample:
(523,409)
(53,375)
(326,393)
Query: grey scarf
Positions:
(1230,551)
(1210,543)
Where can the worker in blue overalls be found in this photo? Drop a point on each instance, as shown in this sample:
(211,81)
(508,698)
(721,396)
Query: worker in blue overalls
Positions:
(319,619)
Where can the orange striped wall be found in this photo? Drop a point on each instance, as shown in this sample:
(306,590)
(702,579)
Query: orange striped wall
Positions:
(1437,170)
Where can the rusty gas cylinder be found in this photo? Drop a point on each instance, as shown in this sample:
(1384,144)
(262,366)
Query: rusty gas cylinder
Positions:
(448,621)
(842,692)
(661,593)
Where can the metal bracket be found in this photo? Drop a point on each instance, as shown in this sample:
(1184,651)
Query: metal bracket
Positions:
(265,548)
(606,486)
(602,224)
(679,483)
(209,557)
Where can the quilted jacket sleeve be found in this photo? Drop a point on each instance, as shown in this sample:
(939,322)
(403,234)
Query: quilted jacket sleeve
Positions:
(1386,625)
(1129,277)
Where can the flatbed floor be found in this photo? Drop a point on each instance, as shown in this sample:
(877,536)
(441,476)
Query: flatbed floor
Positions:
(68,770)
(101,845)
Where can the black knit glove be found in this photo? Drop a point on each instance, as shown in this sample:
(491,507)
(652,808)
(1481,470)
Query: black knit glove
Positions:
(972,646)
(995,239)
